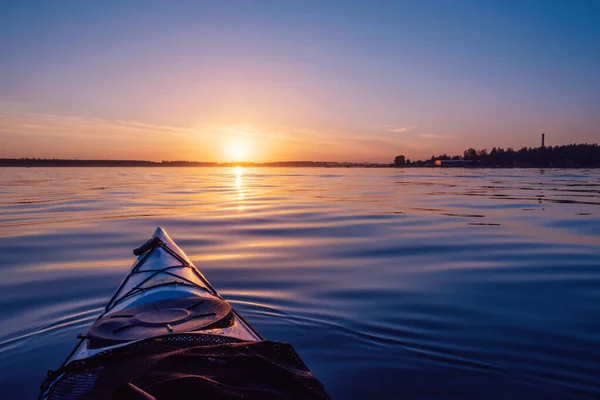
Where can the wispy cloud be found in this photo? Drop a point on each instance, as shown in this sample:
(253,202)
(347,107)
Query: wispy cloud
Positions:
(401,129)
(246,130)
(48,135)
(435,136)
(83,127)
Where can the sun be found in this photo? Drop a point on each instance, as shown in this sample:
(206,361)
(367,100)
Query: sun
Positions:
(236,150)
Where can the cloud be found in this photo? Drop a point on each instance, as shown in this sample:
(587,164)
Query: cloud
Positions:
(401,129)
(435,136)
(237,130)
(84,127)
(25,134)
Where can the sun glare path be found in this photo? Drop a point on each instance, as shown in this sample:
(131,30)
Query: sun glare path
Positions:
(239,173)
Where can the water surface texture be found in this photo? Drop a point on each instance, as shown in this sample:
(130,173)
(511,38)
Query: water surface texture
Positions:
(390,283)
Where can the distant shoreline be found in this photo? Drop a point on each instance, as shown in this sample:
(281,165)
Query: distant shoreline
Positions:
(67,163)
(42,162)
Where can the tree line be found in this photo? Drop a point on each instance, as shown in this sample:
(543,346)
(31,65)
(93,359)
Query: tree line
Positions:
(571,155)
(55,162)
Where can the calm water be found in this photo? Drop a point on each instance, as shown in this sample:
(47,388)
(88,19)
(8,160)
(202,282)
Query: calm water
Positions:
(419,283)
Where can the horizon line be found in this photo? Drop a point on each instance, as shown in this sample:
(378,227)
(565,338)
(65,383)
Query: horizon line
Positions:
(4,159)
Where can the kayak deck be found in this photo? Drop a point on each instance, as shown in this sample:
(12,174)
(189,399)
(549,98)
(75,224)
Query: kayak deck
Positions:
(163,294)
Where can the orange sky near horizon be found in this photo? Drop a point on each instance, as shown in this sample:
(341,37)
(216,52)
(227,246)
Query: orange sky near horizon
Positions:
(26,134)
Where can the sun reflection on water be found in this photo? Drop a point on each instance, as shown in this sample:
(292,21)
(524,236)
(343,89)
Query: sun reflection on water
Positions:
(239,182)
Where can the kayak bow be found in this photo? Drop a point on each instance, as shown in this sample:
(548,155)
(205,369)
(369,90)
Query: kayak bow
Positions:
(163,294)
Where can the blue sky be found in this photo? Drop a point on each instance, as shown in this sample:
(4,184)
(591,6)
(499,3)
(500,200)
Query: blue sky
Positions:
(360,81)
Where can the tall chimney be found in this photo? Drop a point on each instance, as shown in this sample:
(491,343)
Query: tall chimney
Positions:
(543,137)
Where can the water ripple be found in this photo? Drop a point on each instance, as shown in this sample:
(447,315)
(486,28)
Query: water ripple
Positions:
(432,283)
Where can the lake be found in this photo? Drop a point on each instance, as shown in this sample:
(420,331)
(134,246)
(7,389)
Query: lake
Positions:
(390,283)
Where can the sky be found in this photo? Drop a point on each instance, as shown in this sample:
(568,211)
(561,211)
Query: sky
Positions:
(294,80)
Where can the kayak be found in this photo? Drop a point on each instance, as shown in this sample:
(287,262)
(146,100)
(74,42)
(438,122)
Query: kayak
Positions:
(164,299)
(163,293)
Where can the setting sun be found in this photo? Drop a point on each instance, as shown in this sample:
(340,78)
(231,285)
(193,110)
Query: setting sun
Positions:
(237,150)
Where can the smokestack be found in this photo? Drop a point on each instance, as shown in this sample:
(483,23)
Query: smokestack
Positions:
(543,137)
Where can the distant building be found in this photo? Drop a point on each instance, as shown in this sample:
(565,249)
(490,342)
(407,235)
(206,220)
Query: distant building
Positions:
(452,163)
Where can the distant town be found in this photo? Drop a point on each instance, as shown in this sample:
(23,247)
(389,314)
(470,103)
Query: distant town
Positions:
(567,156)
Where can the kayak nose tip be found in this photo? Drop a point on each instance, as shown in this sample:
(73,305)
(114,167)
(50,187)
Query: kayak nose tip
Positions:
(159,232)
